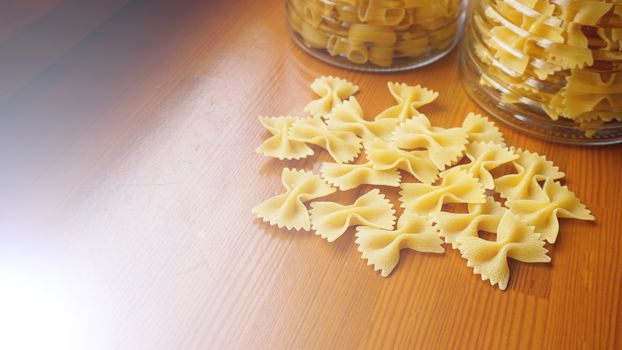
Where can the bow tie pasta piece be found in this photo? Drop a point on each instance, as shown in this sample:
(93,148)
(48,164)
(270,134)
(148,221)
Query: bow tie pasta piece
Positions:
(343,146)
(480,129)
(349,176)
(456,187)
(288,209)
(481,217)
(279,145)
(445,146)
(515,239)
(382,248)
(330,220)
(384,156)
(531,168)
(408,98)
(485,157)
(348,116)
(559,202)
(332,92)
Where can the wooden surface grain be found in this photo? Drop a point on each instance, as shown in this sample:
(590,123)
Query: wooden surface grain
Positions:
(128,134)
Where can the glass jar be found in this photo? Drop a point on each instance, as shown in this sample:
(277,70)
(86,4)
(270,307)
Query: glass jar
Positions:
(376,35)
(548,68)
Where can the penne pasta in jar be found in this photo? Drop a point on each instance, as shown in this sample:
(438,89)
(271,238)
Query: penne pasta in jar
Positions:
(376,35)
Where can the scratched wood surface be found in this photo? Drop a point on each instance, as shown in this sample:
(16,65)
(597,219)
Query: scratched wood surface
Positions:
(128,136)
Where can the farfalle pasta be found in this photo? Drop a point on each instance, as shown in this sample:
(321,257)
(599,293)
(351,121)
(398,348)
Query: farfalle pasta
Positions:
(456,187)
(530,168)
(408,99)
(529,61)
(480,129)
(332,91)
(279,145)
(515,239)
(343,146)
(385,156)
(444,146)
(349,176)
(484,157)
(381,247)
(288,209)
(459,205)
(331,220)
(481,217)
(557,202)
(349,117)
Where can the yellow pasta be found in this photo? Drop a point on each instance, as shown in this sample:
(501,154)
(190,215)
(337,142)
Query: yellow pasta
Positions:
(384,156)
(349,176)
(480,129)
(409,98)
(485,157)
(481,217)
(288,209)
(445,146)
(381,247)
(456,187)
(343,146)
(514,240)
(279,145)
(531,168)
(331,220)
(349,117)
(332,92)
(557,202)
(382,36)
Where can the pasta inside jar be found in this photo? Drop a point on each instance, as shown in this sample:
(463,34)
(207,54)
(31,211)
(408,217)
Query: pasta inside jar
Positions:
(376,35)
(549,68)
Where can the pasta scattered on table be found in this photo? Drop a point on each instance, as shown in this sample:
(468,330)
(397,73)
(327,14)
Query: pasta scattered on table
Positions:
(522,209)
(343,146)
(456,187)
(557,202)
(279,145)
(381,247)
(288,209)
(515,239)
(331,220)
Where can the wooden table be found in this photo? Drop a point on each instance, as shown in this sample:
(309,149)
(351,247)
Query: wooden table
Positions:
(128,133)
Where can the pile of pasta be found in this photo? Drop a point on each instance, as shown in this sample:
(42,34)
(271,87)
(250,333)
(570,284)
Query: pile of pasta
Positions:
(449,167)
(379,32)
(562,56)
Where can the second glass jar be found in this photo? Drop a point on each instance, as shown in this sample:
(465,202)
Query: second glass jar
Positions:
(376,35)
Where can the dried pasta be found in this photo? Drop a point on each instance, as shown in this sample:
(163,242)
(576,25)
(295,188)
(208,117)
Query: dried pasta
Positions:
(406,140)
(381,247)
(531,168)
(349,117)
(408,98)
(375,33)
(332,92)
(480,129)
(349,176)
(515,239)
(343,146)
(445,146)
(385,156)
(481,217)
(456,187)
(288,209)
(331,220)
(557,202)
(485,157)
(279,145)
